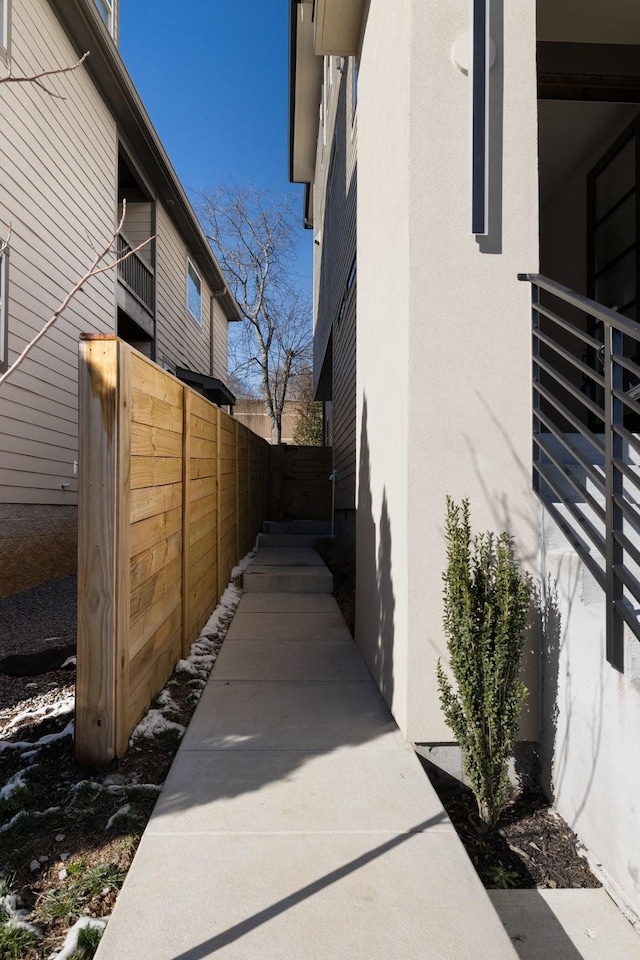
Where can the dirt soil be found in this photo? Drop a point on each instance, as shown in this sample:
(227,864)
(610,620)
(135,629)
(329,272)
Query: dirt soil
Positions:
(531,847)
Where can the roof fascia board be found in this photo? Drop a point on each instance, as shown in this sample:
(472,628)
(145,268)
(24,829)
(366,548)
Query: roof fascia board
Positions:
(338,27)
(86,30)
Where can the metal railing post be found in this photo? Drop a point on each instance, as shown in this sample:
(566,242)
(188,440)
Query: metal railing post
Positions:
(614,415)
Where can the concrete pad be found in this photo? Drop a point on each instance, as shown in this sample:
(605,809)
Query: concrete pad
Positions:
(283,660)
(280,791)
(254,715)
(566,925)
(267,579)
(287,603)
(377,896)
(288,626)
(270,540)
(287,557)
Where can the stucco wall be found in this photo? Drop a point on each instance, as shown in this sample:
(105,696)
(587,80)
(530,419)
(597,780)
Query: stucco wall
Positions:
(434,301)
(591,719)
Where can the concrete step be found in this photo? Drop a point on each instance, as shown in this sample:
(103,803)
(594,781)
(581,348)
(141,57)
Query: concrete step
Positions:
(280,540)
(288,557)
(279,579)
(318,527)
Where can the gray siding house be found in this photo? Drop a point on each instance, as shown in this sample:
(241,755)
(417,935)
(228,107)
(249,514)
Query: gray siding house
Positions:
(66,166)
(494,353)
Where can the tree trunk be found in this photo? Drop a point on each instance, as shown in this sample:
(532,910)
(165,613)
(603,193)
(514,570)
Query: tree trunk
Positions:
(276,430)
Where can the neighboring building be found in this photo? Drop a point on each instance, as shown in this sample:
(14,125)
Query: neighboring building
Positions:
(66,166)
(428,382)
(255,416)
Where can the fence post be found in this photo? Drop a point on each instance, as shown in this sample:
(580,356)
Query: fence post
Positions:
(104,581)
(186,511)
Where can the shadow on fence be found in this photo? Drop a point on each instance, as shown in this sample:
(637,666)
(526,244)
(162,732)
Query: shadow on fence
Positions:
(172,492)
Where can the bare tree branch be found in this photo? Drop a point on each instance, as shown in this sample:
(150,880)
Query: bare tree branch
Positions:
(36,78)
(97,267)
(253,234)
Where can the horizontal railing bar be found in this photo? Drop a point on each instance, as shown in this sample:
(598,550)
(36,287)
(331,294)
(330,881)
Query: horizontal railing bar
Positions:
(585,556)
(594,309)
(570,358)
(626,471)
(568,326)
(629,581)
(616,259)
(587,528)
(621,430)
(569,417)
(616,206)
(630,620)
(627,364)
(570,387)
(630,404)
(566,472)
(575,453)
(630,513)
(626,545)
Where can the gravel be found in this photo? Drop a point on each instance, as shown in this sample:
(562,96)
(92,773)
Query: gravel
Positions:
(29,620)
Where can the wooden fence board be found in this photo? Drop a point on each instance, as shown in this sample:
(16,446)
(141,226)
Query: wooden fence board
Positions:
(150,501)
(170,497)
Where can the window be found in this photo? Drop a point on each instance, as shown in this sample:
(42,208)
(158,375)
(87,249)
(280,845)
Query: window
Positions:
(5,6)
(354,87)
(108,10)
(194,293)
(4,312)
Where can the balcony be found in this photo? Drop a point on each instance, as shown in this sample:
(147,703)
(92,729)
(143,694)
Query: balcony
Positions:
(136,287)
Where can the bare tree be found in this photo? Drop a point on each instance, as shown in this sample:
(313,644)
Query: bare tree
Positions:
(253,235)
(37,78)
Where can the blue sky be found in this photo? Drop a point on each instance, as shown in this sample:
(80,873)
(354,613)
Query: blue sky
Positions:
(213,75)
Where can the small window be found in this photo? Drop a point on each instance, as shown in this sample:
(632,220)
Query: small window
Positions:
(5,9)
(4,312)
(354,87)
(108,12)
(194,293)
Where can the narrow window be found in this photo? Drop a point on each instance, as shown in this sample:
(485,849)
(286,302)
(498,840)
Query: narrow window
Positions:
(194,293)
(108,12)
(4,313)
(354,87)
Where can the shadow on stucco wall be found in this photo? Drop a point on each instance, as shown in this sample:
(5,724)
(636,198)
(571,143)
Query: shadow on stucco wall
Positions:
(375,597)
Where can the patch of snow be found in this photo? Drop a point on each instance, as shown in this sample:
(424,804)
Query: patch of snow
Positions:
(27,813)
(155,723)
(18,917)
(70,944)
(16,782)
(70,661)
(42,742)
(47,711)
(121,812)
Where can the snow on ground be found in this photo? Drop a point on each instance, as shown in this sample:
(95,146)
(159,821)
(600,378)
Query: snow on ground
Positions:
(15,783)
(46,711)
(70,944)
(42,742)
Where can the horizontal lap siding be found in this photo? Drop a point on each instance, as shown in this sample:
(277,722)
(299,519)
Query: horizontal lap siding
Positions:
(180,341)
(220,343)
(344,407)
(57,185)
(156,517)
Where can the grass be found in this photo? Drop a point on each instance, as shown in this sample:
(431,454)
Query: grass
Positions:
(68,902)
(15,941)
(88,940)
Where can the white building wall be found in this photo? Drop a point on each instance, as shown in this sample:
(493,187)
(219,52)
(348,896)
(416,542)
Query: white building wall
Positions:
(434,301)
(591,720)
(382,344)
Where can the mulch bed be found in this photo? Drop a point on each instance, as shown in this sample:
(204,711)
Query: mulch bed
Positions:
(531,847)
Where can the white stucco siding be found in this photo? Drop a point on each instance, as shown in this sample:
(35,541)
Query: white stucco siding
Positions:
(382,350)
(57,185)
(594,714)
(469,352)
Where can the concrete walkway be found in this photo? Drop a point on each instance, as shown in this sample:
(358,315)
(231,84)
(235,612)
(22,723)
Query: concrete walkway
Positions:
(295,824)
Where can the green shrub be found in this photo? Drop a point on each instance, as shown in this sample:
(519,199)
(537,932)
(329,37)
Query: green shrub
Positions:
(486,599)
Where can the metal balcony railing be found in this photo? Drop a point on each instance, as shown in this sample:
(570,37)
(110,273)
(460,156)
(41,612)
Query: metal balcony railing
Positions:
(586,441)
(136,275)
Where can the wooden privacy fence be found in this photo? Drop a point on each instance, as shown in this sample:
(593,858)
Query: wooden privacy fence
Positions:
(172,492)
